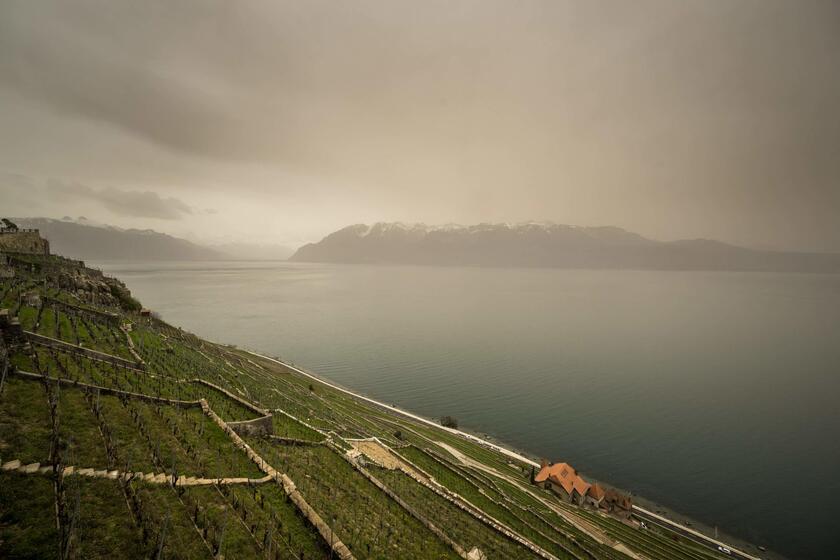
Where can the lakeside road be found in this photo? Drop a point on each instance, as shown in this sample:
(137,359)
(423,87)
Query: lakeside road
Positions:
(690,533)
(650,516)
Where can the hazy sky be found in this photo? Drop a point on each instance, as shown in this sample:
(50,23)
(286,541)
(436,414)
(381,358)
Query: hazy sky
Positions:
(224,120)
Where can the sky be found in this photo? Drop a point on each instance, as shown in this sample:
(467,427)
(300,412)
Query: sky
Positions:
(280,122)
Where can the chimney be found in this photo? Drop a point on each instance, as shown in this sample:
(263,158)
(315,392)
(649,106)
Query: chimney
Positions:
(543,463)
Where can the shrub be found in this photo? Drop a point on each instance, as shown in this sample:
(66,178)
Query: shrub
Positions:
(449,422)
(124,298)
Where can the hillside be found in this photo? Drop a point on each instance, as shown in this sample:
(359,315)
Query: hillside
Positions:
(124,436)
(97,242)
(546,245)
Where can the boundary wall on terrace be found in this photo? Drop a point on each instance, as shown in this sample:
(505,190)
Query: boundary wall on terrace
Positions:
(262,426)
(61,345)
(326,532)
(104,316)
(29,376)
(240,400)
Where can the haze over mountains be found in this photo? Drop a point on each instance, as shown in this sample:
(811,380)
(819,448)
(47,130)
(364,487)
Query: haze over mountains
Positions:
(93,241)
(547,245)
(87,240)
(505,245)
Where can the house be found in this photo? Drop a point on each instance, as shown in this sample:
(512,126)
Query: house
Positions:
(595,496)
(563,480)
(617,503)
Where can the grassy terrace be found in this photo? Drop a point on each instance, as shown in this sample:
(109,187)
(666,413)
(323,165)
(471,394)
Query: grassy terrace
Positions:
(458,525)
(563,542)
(46,515)
(367,520)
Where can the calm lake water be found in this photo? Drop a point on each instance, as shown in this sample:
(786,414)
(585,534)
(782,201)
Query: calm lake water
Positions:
(715,394)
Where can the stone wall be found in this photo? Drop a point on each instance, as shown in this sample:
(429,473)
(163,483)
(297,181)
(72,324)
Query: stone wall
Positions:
(459,550)
(93,314)
(103,390)
(63,346)
(466,506)
(339,548)
(228,394)
(24,241)
(263,426)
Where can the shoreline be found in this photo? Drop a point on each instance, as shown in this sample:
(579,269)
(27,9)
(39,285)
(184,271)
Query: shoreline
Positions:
(682,523)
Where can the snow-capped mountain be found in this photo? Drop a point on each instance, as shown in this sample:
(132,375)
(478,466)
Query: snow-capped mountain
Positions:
(535,244)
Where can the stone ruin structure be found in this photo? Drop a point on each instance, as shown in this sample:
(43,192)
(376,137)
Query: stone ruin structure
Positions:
(26,241)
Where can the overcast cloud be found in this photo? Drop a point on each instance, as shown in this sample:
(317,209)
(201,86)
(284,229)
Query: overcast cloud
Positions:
(705,118)
(137,204)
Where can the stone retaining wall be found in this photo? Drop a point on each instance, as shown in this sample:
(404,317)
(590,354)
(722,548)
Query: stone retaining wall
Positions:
(94,314)
(151,478)
(103,390)
(131,347)
(240,400)
(464,505)
(263,426)
(459,550)
(294,441)
(42,340)
(301,422)
(339,548)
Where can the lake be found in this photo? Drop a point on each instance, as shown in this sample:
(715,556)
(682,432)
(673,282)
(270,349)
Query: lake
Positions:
(714,394)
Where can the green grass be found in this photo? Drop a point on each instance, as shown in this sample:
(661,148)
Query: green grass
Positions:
(288,427)
(269,509)
(236,540)
(80,429)
(24,422)
(364,518)
(27,521)
(105,529)
(27,316)
(246,521)
(457,524)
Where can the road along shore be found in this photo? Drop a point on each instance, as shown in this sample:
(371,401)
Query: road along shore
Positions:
(662,521)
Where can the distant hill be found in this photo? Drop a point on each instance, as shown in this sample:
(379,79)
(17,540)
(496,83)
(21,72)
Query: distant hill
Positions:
(546,245)
(89,241)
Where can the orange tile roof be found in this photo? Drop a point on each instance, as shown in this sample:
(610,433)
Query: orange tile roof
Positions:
(542,476)
(581,486)
(565,475)
(596,491)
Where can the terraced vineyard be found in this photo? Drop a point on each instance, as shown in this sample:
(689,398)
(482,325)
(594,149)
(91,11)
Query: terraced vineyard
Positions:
(124,436)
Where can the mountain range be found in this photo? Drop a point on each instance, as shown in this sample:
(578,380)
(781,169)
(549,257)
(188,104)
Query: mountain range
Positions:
(89,240)
(93,241)
(547,245)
